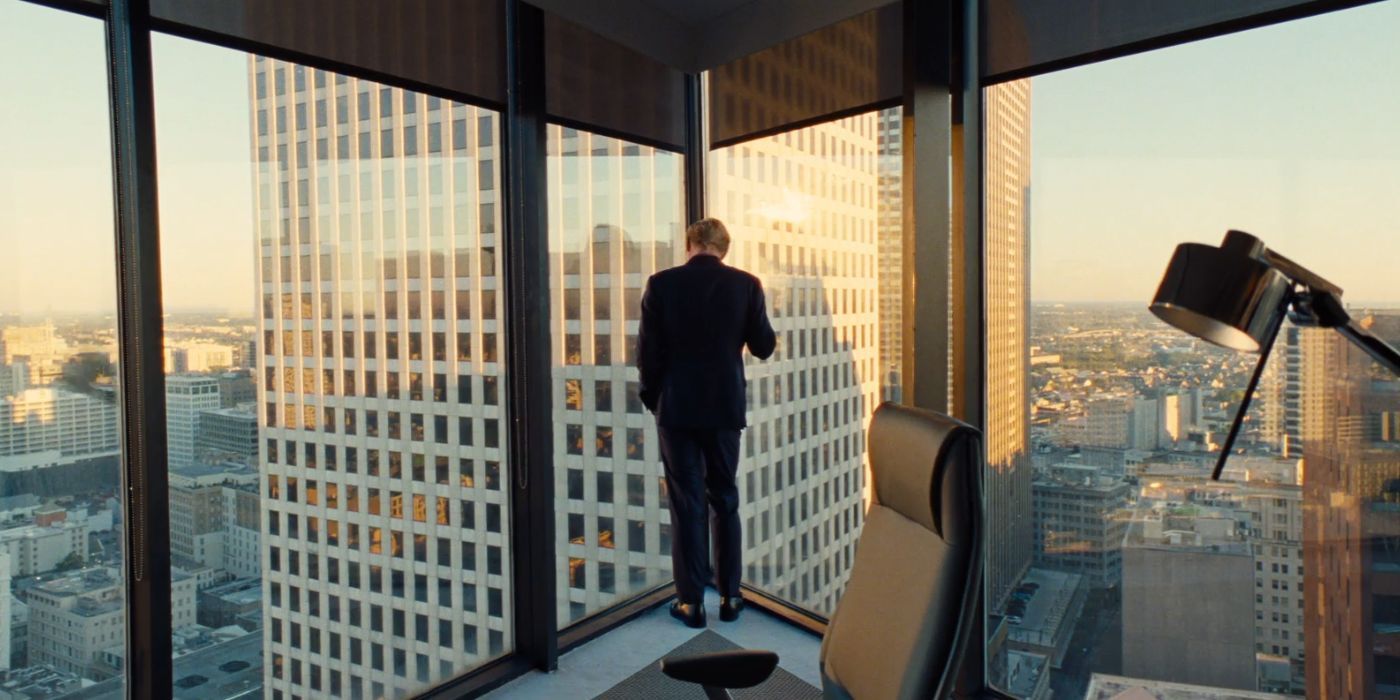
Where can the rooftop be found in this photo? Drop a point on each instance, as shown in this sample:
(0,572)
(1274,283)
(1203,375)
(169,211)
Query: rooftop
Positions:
(1107,687)
(1050,613)
(228,671)
(239,591)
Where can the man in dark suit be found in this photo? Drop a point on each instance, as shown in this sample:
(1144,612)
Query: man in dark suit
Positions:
(696,320)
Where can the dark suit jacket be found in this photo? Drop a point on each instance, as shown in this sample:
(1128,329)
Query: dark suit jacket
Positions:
(696,320)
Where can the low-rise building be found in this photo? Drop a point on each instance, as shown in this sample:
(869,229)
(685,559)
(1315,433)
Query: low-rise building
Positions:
(1078,524)
(43,426)
(78,617)
(227,434)
(1188,598)
(229,603)
(242,530)
(35,549)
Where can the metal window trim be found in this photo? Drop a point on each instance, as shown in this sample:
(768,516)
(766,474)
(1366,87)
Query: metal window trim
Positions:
(140,336)
(969,390)
(697,151)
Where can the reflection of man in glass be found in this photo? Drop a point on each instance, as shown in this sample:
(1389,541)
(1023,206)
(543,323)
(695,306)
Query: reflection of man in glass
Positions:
(696,320)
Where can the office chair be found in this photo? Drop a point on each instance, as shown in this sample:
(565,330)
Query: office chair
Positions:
(902,625)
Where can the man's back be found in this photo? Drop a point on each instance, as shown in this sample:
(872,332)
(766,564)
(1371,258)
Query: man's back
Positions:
(696,320)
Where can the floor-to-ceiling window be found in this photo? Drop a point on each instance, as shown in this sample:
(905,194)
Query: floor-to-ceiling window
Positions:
(333,358)
(1116,561)
(62,590)
(815,215)
(615,218)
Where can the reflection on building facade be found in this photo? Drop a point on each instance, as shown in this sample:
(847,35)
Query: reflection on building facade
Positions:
(1352,525)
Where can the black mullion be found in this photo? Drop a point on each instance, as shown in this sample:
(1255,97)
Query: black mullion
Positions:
(524,251)
(695,148)
(139,340)
(928,242)
(965,52)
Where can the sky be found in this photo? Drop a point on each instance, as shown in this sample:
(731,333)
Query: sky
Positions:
(1288,132)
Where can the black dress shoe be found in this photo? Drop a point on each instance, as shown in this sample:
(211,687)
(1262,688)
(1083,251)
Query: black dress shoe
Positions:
(691,614)
(729,608)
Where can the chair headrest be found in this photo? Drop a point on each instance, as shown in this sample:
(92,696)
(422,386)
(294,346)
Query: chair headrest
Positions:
(910,451)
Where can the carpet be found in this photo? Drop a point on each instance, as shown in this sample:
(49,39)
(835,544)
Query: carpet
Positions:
(650,682)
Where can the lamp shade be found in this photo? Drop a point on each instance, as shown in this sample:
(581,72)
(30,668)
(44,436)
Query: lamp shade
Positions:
(1228,295)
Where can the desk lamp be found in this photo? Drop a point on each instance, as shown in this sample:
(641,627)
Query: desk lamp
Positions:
(1237,295)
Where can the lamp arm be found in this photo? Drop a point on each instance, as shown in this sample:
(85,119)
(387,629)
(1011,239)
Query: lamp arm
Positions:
(1378,349)
(1300,274)
(1323,308)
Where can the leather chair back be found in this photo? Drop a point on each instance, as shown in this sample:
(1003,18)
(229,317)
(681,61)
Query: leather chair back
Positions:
(903,622)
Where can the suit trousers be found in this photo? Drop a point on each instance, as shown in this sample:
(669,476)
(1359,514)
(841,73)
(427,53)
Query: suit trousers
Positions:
(701,466)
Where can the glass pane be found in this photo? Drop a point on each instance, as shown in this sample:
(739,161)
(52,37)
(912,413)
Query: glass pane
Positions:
(814,213)
(615,211)
(333,358)
(61,568)
(1141,571)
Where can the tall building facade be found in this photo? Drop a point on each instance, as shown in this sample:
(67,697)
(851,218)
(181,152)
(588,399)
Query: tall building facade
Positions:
(1006,218)
(1276,535)
(890,201)
(383,504)
(187,397)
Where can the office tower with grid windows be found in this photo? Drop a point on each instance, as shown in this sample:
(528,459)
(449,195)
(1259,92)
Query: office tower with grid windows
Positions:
(615,218)
(187,397)
(801,208)
(1006,217)
(383,508)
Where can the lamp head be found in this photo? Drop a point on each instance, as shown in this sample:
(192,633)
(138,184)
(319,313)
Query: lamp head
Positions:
(1231,295)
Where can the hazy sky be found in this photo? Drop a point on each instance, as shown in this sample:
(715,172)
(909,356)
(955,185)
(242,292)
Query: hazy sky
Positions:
(1289,132)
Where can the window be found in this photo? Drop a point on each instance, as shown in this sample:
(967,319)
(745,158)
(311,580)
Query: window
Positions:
(59,402)
(815,213)
(588,247)
(366,237)
(1104,422)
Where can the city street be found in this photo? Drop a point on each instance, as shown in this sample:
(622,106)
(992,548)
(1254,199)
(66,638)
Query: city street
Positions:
(1097,645)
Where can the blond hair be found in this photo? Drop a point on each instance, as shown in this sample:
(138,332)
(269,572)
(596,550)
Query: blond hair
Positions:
(708,234)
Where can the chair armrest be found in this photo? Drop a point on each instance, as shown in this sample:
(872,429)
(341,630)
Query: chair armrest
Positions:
(739,668)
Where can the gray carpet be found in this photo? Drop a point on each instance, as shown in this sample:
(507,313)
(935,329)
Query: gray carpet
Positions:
(650,682)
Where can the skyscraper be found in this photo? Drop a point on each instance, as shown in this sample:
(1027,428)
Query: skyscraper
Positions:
(381,437)
(1006,217)
(801,208)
